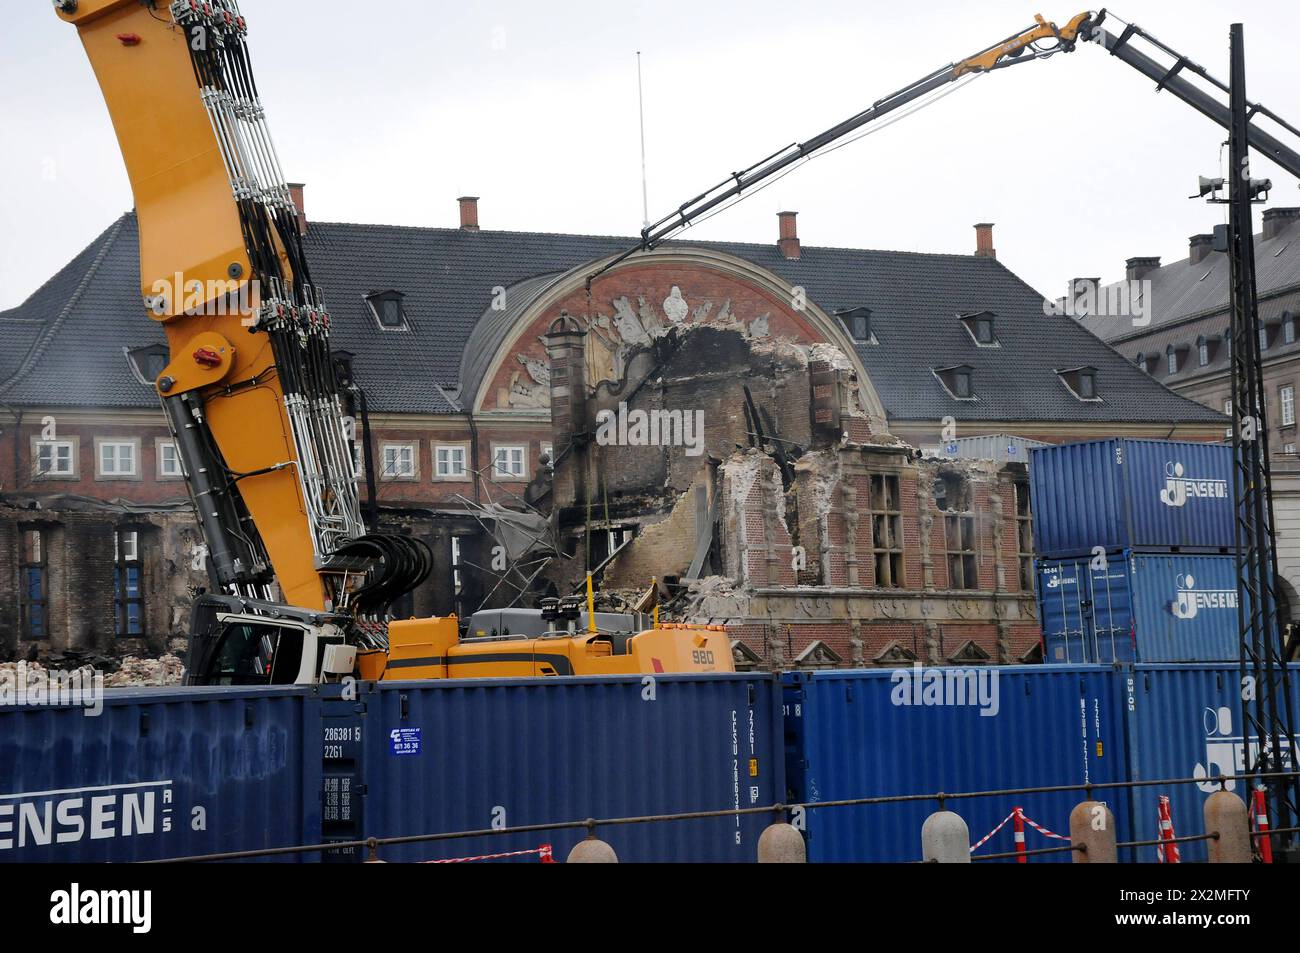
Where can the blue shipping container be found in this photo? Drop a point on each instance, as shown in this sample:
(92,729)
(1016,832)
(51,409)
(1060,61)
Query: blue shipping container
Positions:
(1138,608)
(853,734)
(1184,721)
(463,755)
(1131,494)
(159,773)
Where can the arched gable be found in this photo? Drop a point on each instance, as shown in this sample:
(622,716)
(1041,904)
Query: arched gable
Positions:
(640,299)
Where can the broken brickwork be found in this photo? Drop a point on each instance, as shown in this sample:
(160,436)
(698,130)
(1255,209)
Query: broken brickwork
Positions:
(817,539)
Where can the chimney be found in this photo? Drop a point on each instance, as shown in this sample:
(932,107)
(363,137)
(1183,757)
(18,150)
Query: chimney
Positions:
(295,193)
(1135,269)
(984,241)
(468,212)
(1079,285)
(789,240)
(1198,247)
(1277,219)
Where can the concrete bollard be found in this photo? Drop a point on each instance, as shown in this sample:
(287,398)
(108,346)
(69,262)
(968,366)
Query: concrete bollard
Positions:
(1092,825)
(945,839)
(592,851)
(1227,814)
(781,843)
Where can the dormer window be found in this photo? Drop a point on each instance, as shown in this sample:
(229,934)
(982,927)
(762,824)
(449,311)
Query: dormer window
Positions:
(1171,359)
(979,324)
(857,321)
(388,310)
(1227,344)
(1264,337)
(1203,350)
(1082,382)
(147,363)
(1288,328)
(957,381)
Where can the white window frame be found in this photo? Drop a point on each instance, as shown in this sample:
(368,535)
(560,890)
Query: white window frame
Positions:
(1203,352)
(1288,331)
(74,458)
(439,475)
(1286,397)
(160,445)
(102,443)
(376,301)
(498,449)
(411,445)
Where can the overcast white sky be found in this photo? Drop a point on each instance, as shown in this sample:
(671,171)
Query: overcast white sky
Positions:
(389,111)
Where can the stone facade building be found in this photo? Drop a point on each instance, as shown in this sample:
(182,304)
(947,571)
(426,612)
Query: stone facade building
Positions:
(749,425)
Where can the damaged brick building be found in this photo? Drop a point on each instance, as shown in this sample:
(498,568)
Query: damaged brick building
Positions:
(751,425)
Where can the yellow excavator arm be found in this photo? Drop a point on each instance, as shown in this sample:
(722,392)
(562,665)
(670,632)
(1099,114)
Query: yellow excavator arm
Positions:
(1014,46)
(249,390)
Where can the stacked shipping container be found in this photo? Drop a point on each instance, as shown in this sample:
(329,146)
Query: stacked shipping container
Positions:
(1133,541)
(172,773)
(165,773)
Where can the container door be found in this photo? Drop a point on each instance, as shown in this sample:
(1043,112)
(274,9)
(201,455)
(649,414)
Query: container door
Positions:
(1186,608)
(1065,610)
(1111,595)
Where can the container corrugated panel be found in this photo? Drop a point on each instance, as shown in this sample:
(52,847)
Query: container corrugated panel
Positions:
(469,754)
(1131,494)
(159,773)
(1139,607)
(1184,722)
(1002,447)
(850,736)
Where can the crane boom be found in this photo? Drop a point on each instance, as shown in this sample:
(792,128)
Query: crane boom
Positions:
(1169,78)
(250,391)
(1085,27)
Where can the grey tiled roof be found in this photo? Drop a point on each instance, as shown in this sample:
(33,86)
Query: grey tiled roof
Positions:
(92,311)
(1181,290)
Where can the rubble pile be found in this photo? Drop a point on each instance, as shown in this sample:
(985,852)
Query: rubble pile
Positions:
(168,670)
(35,673)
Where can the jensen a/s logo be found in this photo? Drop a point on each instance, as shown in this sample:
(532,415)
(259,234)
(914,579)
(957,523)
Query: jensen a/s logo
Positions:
(74,815)
(1055,580)
(1191,600)
(1179,488)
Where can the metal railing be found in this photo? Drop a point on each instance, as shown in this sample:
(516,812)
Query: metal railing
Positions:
(780,811)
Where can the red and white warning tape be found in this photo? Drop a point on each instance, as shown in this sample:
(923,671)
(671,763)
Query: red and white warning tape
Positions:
(984,840)
(1167,852)
(1021,818)
(1260,817)
(544,853)
(1043,830)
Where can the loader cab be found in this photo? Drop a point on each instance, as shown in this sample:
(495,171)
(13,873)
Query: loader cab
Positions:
(252,648)
(255,651)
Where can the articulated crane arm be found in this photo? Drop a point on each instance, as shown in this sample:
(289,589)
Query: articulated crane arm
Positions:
(250,391)
(1039,41)
(1169,78)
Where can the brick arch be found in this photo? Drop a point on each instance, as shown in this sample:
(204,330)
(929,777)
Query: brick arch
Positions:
(712,288)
